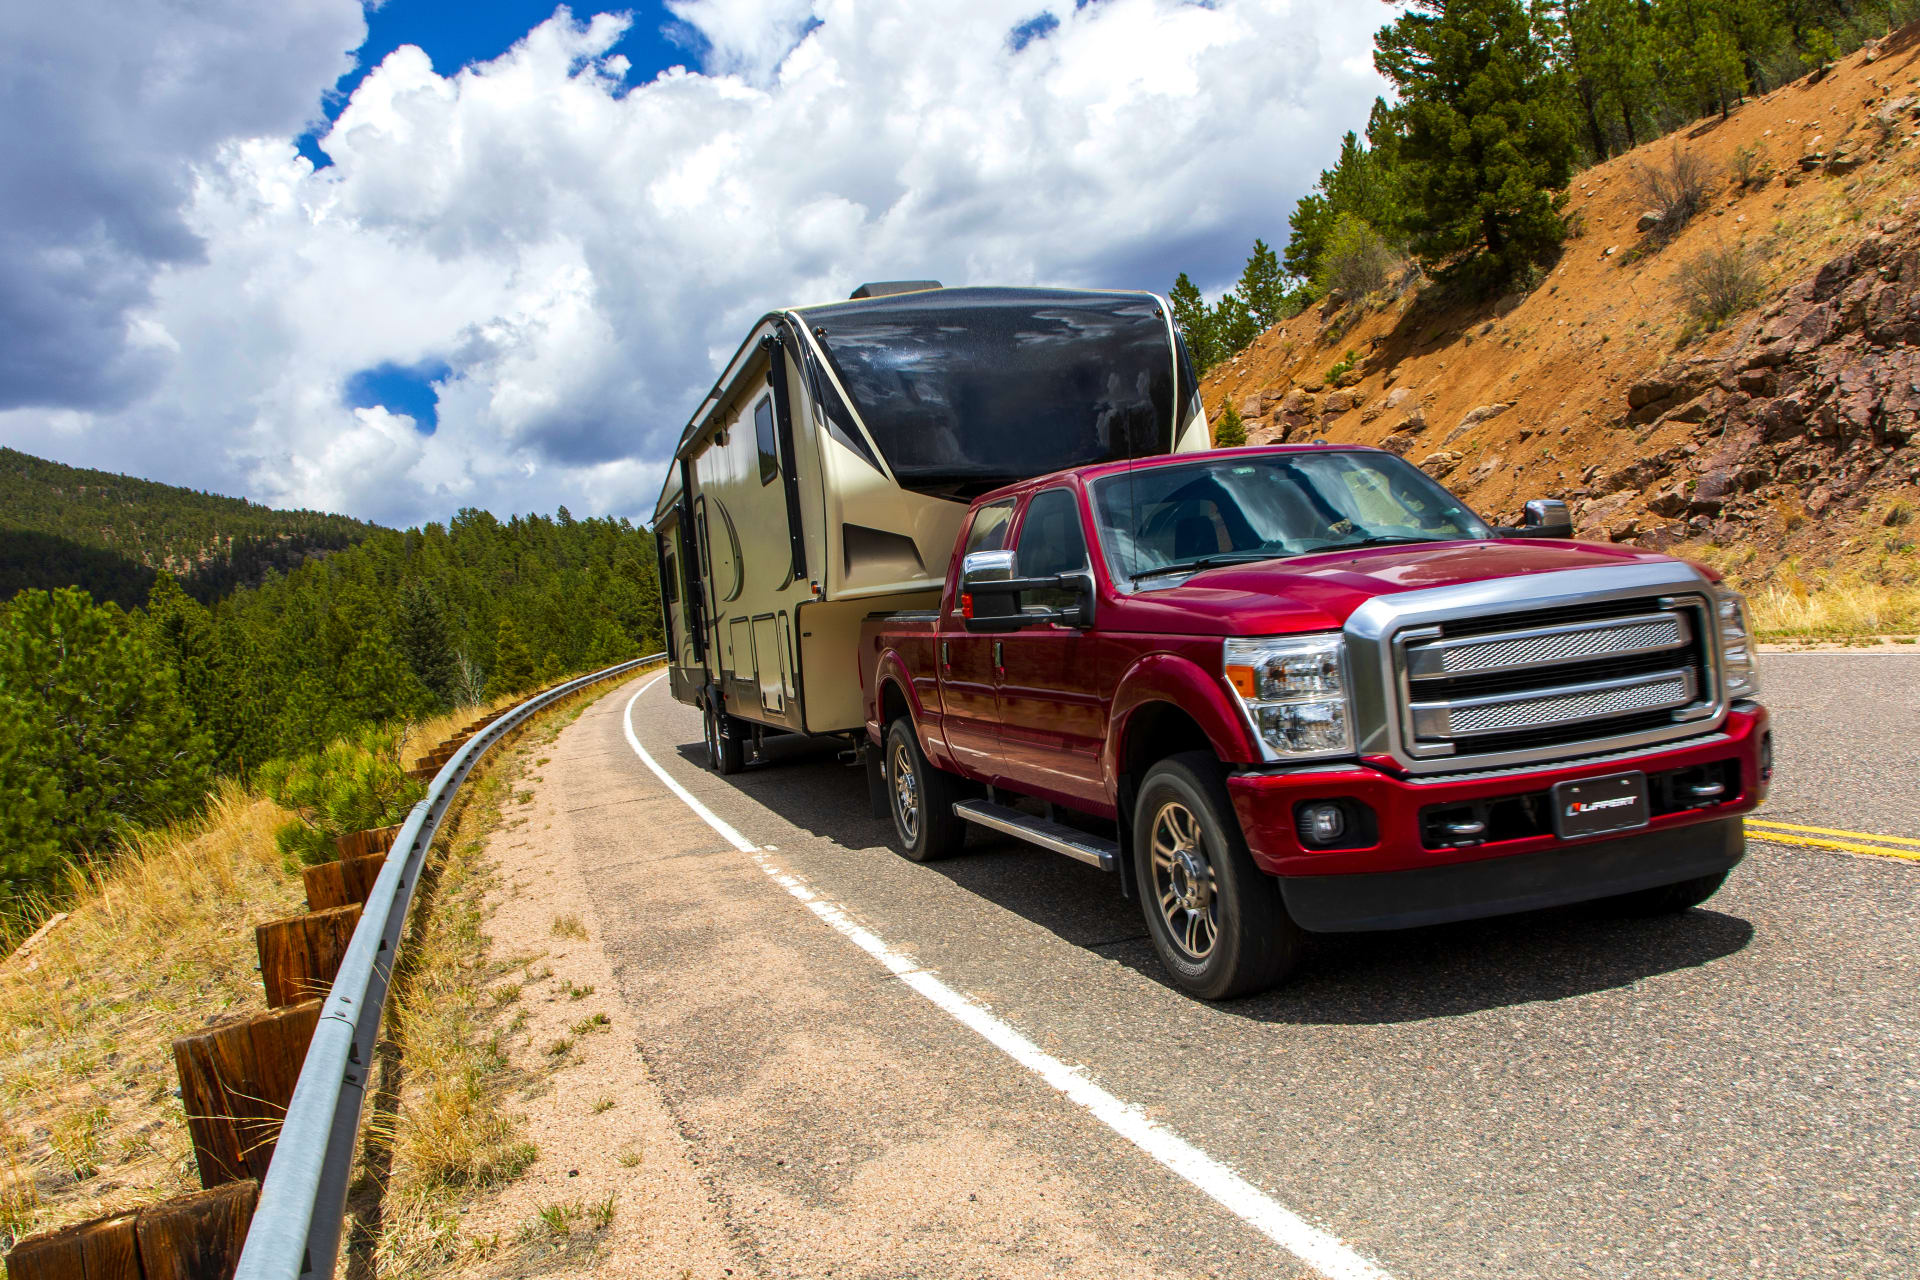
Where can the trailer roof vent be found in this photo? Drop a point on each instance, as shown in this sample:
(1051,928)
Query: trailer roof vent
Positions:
(887,288)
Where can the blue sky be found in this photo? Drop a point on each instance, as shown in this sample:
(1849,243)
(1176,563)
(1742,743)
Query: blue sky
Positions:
(508,289)
(457,34)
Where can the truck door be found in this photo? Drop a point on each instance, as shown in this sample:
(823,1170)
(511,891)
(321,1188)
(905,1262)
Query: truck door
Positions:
(965,661)
(1050,703)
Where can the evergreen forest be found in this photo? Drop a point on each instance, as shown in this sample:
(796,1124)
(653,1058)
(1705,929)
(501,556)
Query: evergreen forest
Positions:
(1462,172)
(114,535)
(114,716)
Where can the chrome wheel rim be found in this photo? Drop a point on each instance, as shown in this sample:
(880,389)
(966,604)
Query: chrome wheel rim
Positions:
(1183,883)
(906,794)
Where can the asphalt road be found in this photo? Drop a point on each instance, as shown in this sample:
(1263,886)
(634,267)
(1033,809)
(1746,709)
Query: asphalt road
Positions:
(1729,1093)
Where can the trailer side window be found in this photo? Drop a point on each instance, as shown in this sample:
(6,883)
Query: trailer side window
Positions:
(763,436)
(989,531)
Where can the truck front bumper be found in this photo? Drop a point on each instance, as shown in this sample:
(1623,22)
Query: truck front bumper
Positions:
(1394,872)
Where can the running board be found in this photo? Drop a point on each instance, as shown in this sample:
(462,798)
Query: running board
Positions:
(1055,836)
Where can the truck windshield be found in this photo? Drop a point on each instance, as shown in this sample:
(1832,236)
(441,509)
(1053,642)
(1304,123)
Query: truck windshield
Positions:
(965,390)
(1163,520)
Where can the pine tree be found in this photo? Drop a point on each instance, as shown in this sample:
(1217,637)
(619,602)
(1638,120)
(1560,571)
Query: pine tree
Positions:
(1485,134)
(1361,185)
(1233,324)
(1610,55)
(1230,432)
(95,706)
(29,848)
(421,631)
(1263,287)
(512,664)
(1195,321)
(376,684)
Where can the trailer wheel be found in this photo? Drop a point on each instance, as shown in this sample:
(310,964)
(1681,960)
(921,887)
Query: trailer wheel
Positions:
(724,753)
(1216,918)
(920,798)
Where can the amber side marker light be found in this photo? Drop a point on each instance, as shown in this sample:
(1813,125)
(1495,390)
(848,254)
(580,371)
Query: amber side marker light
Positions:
(1241,678)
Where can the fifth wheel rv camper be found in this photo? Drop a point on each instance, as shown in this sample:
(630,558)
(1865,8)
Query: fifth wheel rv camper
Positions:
(826,475)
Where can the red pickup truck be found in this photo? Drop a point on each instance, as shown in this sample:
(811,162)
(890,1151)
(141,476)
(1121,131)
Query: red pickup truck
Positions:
(1304,689)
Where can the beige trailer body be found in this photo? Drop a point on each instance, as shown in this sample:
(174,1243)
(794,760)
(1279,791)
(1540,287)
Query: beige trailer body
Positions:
(789,514)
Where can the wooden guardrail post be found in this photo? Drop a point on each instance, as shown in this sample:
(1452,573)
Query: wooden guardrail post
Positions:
(199,1236)
(235,1083)
(359,844)
(191,1237)
(104,1249)
(300,954)
(342,882)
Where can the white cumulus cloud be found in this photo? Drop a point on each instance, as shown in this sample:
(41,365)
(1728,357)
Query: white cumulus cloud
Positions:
(579,252)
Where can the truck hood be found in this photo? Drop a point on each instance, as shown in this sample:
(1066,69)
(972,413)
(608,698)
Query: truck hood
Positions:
(1319,592)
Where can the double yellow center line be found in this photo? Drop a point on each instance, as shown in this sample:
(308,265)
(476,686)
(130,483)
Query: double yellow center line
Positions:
(1849,841)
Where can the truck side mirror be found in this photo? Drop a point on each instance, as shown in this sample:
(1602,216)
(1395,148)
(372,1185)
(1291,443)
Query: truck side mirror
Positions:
(990,595)
(1544,518)
(1547,518)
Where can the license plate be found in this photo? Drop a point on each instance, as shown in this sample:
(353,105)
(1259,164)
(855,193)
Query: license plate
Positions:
(1595,806)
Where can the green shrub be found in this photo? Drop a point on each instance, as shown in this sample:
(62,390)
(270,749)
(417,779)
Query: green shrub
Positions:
(1719,283)
(1343,368)
(1357,259)
(354,783)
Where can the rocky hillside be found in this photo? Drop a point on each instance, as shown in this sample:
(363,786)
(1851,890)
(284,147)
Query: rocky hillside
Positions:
(1786,434)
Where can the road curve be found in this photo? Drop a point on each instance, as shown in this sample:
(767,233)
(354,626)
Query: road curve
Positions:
(1732,1092)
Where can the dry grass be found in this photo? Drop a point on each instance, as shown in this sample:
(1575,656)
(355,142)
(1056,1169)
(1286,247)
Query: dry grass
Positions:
(451,1131)
(156,944)
(1835,611)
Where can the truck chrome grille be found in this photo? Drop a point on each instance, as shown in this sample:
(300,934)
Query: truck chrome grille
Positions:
(1474,688)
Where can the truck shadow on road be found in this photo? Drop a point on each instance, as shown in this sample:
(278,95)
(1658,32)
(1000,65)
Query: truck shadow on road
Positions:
(1344,979)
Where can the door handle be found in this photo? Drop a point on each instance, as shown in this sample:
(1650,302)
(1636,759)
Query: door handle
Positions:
(999,659)
(946,655)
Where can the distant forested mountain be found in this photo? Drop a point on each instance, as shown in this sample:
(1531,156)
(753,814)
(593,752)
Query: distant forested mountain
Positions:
(111,535)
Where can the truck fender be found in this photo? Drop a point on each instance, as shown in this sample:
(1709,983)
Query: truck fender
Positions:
(1196,693)
(891,669)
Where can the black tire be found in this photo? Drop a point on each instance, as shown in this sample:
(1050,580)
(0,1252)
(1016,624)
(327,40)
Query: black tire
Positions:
(1216,919)
(1667,899)
(920,798)
(725,755)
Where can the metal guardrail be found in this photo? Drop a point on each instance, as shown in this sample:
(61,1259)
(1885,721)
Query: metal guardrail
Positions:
(296,1227)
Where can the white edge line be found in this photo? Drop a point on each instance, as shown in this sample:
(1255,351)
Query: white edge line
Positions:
(1326,1253)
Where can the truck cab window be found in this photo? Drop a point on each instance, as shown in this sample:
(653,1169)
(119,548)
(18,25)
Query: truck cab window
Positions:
(765,441)
(989,531)
(1051,542)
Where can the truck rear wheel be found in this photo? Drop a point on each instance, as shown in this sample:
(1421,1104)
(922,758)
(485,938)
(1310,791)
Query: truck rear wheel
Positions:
(1216,919)
(725,755)
(920,798)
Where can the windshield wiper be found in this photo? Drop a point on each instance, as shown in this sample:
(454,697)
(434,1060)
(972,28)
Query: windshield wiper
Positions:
(1206,562)
(1378,540)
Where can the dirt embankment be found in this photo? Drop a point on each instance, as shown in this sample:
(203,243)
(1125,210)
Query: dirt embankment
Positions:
(1791,431)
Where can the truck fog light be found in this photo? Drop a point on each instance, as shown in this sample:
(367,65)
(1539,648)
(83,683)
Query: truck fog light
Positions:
(1322,823)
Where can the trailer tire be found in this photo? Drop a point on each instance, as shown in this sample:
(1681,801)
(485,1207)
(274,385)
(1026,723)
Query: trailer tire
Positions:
(1216,919)
(920,798)
(725,754)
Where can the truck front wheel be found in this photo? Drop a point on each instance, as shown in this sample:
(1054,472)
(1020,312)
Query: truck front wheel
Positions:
(1216,918)
(920,798)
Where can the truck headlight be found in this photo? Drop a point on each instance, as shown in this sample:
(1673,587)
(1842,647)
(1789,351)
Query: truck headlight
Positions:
(1740,674)
(1294,689)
